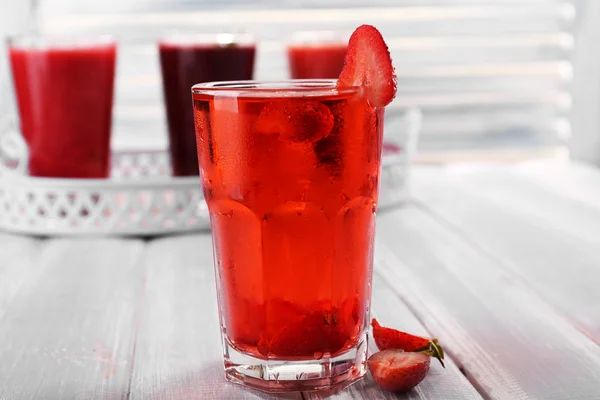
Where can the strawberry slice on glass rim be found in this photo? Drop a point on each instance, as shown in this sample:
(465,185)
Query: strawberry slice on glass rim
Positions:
(368,64)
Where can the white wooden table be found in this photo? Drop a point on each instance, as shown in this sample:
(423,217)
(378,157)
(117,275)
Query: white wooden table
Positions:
(501,263)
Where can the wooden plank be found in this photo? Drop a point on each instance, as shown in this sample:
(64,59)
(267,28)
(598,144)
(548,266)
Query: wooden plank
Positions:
(18,256)
(178,350)
(448,384)
(510,343)
(578,182)
(514,192)
(542,237)
(69,330)
(523,196)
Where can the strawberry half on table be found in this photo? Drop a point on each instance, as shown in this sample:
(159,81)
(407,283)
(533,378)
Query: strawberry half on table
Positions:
(398,371)
(388,338)
(403,360)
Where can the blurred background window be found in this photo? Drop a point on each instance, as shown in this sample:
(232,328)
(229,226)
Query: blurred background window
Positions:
(495,79)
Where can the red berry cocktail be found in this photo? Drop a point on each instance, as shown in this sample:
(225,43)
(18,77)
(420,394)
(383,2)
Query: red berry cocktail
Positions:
(189,59)
(290,172)
(64,89)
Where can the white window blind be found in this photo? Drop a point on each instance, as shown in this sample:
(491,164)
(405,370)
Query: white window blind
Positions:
(487,74)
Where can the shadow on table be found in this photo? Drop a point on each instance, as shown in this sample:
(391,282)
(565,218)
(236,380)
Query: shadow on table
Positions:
(361,387)
(206,383)
(365,388)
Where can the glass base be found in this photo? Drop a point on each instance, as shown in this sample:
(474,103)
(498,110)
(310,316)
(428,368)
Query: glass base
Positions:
(326,373)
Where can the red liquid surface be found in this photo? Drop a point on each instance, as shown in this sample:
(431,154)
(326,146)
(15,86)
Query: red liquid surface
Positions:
(291,185)
(316,62)
(184,66)
(65,98)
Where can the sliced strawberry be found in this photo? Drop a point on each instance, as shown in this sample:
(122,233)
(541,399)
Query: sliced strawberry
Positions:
(387,338)
(368,63)
(305,337)
(251,318)
(317,332)
(398,371)
(296,120)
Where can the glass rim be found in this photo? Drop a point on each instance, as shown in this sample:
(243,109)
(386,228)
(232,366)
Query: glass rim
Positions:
(42,41)
(207,38)
(282,88)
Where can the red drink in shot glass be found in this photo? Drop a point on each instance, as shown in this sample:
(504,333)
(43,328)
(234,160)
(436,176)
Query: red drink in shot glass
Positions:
(189,59)
(317,55)
(64,89)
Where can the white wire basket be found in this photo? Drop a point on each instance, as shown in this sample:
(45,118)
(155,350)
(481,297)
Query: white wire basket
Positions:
(141,198)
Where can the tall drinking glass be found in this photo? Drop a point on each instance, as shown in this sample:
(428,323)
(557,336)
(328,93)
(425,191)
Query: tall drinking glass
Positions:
(187,59)
(290,174)
(317,54)
(64,88)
